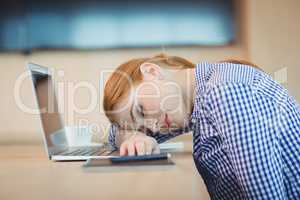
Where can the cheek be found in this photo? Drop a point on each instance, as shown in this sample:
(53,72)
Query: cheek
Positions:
(171,98)
(151,107)
(150,97)
(171,102)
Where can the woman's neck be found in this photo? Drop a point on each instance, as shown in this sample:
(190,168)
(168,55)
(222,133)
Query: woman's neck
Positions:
(186,80)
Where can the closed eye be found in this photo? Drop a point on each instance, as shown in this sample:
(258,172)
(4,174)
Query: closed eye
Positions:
(141,111)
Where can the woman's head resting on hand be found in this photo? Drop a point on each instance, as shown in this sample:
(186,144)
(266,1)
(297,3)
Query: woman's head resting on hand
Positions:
(145,94)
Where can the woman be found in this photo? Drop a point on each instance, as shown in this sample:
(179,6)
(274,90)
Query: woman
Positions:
(245,126)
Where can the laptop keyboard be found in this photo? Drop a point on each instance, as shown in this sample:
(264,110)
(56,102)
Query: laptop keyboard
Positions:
(88,151)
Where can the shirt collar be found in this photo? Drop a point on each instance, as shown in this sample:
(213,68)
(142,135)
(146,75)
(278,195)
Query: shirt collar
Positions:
(202,75)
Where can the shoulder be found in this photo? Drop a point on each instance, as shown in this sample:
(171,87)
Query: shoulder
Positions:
(234,78)
(223,83)
(223,73)
(214,79)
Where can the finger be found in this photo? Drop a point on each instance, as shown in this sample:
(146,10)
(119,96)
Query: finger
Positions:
(156,150)
(124,149)
(140,148)
(149,148)
(131,149)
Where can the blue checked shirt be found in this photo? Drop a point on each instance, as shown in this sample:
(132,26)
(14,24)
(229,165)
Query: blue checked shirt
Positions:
(246,132)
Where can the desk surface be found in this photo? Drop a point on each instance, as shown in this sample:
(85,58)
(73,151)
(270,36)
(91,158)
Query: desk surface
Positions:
(25,173)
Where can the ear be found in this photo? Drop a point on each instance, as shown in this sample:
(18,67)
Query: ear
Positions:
(151,71)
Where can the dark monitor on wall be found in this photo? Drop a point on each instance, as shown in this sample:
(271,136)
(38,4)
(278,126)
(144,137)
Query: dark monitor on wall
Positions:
(93,24)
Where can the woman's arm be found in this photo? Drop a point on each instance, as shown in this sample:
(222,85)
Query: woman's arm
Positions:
(250,126)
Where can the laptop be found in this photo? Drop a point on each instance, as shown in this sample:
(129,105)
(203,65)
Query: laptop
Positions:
(58,138)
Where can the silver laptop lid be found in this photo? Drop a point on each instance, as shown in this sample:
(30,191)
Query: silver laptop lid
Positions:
(52,127)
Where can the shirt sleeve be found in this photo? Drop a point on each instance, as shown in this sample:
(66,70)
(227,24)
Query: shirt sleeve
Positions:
(249,123)
(163,137)
(113,130)
(159,137)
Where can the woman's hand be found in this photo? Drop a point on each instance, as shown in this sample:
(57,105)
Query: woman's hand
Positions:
(139,144)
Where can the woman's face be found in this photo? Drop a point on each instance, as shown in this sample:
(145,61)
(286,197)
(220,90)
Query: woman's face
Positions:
(156,104)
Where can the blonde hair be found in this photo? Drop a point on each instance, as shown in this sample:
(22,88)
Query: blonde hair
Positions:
(128,74)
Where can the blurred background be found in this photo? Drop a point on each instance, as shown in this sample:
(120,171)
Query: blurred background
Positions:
(81,39)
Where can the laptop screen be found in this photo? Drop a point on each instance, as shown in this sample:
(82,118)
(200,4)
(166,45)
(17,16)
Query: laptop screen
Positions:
(49,113)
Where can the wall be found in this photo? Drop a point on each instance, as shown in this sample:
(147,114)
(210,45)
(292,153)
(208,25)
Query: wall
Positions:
(274,39)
